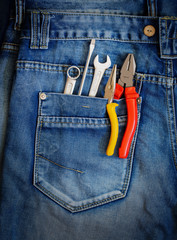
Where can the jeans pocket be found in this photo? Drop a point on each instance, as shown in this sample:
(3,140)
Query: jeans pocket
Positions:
(71,166)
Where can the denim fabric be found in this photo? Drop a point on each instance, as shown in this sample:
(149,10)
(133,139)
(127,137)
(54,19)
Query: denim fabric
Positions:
(57,182)
(8,57)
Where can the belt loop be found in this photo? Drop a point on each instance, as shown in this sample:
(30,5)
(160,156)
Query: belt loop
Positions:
(152,8)
(20,13)
(35,30)
(45,27)
(168,37)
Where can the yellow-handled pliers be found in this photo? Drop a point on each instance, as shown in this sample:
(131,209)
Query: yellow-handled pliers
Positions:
(111,110)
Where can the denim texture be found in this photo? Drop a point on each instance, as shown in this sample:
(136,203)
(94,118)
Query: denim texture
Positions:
(8,57)
(56,180)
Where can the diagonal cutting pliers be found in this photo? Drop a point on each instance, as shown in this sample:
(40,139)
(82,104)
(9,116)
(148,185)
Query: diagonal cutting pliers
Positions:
(125,84)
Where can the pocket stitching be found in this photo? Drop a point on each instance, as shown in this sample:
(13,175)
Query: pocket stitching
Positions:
(94,203)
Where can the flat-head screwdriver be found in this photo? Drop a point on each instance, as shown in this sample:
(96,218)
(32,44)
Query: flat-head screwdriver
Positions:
(91,48)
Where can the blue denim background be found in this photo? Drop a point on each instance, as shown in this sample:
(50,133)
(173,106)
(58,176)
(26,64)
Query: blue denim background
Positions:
(149,208)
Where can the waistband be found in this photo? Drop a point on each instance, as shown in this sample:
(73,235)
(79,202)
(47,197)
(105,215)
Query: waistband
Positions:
(44,26)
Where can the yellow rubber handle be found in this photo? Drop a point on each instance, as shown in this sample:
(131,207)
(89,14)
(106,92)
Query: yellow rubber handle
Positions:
(114,128)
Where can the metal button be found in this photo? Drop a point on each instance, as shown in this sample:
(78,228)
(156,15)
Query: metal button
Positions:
(43,96)
(138,100)
(149,30)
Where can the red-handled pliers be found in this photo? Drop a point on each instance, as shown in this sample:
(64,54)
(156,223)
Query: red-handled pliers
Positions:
(126,81)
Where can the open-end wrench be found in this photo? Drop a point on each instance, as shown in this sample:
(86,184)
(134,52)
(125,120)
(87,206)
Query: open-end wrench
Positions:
(98,74)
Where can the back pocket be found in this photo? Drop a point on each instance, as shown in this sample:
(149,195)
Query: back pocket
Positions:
(71,166)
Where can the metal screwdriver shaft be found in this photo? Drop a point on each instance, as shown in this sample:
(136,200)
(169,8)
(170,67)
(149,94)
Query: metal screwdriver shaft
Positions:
(91,48)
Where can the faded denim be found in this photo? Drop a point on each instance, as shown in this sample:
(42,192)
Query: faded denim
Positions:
(57,182)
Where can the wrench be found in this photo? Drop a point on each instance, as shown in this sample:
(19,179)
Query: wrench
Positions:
(71,81)
(98,74)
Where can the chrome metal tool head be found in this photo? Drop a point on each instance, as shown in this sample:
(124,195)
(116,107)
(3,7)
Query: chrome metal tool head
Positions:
(111,84)
(127,71)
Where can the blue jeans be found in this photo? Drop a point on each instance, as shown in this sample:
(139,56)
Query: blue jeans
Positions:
(57,181)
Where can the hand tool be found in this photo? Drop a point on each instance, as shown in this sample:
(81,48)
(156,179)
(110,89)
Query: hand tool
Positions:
(91,48)
(98,74)
(71,81)
(126,80)
(111,110)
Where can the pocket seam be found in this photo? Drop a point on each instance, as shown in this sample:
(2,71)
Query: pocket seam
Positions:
(120,192)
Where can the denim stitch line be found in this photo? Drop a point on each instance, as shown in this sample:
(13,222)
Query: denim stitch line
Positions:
(13,44)
(80,208)
(9,49)
(17,9)
(167,55)
(93,204)
(35,29)
(45,32)
(166,68)
(21,62)
(173,38)
(130,162)
(122,119)
(160,28)
(172,18)
(160,36)
(173,109)
(54,70)
(166,29)
(174,116)
(59,165)
(32,30)
(102,38)
(168,110)
(97,38)
(45,37)
(150,7)
(40,107)
(170,128)
(43,29)
(171,64)
(8,46)
(92,124)
(92,14)
(37,151)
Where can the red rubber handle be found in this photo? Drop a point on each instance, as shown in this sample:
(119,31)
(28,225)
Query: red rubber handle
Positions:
(118,91)
(131,101)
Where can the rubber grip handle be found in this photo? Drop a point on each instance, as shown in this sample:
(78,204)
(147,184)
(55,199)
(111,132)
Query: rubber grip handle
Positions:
(131,101)
(114,128)
(118,91)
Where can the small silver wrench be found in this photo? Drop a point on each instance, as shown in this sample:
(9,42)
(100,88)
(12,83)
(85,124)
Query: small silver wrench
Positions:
(98,74)
(71,81)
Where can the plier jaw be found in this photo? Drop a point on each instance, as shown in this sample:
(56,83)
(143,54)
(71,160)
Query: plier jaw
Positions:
(111,85)
(127,71)
(126,76)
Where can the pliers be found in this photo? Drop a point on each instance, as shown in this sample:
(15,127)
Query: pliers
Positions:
(109,93)
(126,81)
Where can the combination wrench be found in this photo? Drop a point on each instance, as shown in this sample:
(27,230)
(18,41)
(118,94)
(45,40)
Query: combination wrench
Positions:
(98,74)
